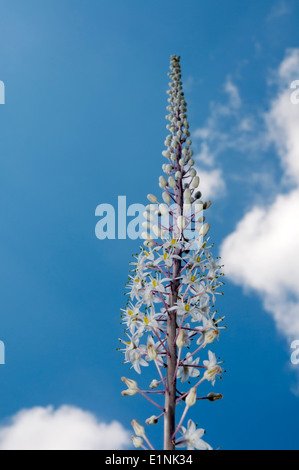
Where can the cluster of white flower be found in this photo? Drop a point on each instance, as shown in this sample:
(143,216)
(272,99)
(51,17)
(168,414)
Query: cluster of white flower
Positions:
(174,280)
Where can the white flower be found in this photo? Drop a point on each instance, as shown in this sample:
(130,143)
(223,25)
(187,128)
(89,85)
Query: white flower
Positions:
(210,331)
(190,278)
(213,368)
(187,370)
(191,438)
(130,317)
(183,308)
(153,349)
(173,243)
(137,360)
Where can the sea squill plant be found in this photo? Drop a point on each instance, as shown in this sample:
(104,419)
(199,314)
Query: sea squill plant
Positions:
(170,317)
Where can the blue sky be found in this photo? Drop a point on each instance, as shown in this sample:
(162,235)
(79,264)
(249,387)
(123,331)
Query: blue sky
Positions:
(84,122)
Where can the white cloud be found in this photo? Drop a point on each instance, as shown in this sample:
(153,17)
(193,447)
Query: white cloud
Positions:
(67,428)
(212,184)
(227,127)
(233,93)
(282,120)
(279,9)
(262,253)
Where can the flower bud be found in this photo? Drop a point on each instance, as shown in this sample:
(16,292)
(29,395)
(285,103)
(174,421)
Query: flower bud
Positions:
(147,225)
(187,194)
(166,198)
(157,231)
(192,172)
(181,222)
(178,175)
(152,198)
(148,216)
(137,441)
(132,387)
(146,236)
(152,420)
(163,209)
(198,207)
(195,182)
(171,182)
(138,429)
(180,342)
(154,384)
(214,396)
(191,397)
(207,204)
(162,182)
(130,383)
(204,229)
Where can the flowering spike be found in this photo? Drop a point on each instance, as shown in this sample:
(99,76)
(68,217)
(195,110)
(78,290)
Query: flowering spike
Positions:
(172,290)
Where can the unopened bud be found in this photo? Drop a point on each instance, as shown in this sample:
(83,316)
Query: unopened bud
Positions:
(138,429)
(214,396)
(171,182)
(152,198)
(207,204)
(180,342)
(187,194)
(154,384)
(181,222)
(162,182)
(191,397)
(204,230)
(146,236)
(166,198)
(137,441)
(195,182)
(152,420)
(163,209)
(198,207)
